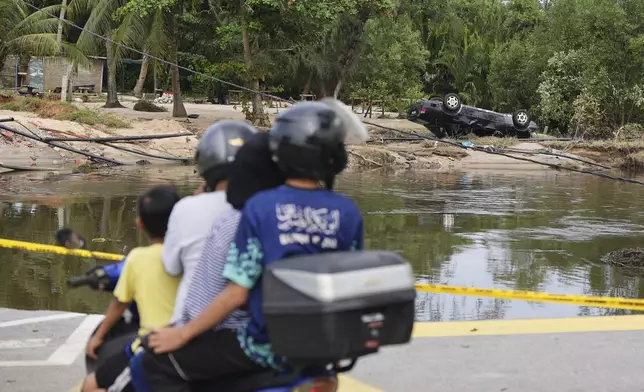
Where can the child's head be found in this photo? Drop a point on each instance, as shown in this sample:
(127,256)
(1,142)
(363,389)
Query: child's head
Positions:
(308,142)
(217,148)
(69,239)
(252,171)
(154,208)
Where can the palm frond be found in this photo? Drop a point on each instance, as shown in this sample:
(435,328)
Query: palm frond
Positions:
(76,56)
(100,22)
(35,27)
(39,45)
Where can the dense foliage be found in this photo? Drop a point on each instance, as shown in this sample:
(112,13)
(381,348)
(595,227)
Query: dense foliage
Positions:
(578,65)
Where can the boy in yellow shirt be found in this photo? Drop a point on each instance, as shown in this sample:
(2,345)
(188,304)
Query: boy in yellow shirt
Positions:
(143,280)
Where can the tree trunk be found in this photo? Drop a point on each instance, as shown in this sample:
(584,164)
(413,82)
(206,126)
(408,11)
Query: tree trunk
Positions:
(66,88)
(155,80)
(66,83)
(143,73)
(259,118)
(351,53)
(112,96)
(178,109)
(307,86)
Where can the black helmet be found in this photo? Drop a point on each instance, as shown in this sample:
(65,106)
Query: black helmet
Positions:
(219,144)
(307,141)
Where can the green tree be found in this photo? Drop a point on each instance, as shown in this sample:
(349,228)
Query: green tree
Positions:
(391,62)
(26,33)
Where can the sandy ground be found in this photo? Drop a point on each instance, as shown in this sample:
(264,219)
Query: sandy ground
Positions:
(17,150)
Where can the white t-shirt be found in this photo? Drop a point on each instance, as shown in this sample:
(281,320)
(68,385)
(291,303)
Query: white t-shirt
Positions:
(190,223)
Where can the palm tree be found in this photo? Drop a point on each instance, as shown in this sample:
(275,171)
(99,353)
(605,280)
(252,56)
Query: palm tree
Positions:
(158,28)
(26,32)
(101,22)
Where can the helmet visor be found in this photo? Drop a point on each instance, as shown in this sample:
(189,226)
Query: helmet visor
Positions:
(356,131)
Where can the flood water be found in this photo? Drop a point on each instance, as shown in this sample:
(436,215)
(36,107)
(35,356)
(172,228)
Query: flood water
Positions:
(539,231)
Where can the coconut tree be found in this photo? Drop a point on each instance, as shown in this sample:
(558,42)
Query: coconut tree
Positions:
(101,22)
(27,32)
(162,17)
(149,32)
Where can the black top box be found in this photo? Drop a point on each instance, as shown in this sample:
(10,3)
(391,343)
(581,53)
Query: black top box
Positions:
(338,305)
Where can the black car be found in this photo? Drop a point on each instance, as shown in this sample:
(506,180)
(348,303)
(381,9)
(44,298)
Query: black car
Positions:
(447,116)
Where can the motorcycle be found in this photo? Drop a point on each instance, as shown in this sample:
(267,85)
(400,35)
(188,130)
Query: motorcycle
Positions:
(308,379)
(313,313)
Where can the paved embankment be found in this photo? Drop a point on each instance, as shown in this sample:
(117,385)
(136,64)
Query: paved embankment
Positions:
(42,351)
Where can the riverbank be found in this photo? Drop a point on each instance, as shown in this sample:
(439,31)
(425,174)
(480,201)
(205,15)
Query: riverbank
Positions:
(627,155)
(88,120)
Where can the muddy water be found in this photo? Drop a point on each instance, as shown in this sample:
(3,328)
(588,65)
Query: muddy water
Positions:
(542,231)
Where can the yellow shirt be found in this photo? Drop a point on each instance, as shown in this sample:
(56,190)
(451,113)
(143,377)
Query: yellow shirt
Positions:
(145,281)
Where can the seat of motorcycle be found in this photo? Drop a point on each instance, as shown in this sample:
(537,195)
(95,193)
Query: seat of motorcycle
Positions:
(245,382)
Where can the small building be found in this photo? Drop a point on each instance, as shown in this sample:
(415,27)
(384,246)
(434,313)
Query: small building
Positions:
(45,74)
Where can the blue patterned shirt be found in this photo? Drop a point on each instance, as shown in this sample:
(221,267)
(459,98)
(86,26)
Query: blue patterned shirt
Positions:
(280,223)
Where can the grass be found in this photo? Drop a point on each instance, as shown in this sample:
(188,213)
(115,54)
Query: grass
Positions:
(490,141)
(62,111)
(609,146)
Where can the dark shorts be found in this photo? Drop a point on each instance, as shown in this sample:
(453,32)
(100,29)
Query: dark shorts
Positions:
(111,369)
(205,358)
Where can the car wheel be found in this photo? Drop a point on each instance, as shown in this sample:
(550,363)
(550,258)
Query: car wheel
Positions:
(452,103)
(521,119)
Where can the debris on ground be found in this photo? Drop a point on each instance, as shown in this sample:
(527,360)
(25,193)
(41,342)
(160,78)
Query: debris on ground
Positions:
(163,99)
(145,106)
(626,258)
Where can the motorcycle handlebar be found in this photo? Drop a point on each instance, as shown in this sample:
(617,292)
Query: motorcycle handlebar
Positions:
(78,281)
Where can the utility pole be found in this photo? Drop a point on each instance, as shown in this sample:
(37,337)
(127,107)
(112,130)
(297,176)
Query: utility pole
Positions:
(66,85)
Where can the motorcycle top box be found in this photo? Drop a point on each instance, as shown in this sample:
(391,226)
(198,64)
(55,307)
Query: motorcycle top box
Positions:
(339,305)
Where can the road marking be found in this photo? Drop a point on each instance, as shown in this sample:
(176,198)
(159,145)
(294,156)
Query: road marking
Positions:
(32,320)
(67,353)
(76,342)
(348,384)
(4,364)
(27,343)
(528,326)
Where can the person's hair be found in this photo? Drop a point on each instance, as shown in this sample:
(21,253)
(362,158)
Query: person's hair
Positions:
(154,208)
(252,171)
(63,235)
(215,175)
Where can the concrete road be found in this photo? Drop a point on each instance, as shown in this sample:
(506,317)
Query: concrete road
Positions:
(42,351)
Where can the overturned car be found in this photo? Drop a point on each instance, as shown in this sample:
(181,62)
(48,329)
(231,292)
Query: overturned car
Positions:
(448,117)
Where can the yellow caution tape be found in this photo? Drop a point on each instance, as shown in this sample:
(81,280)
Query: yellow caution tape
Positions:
(34,247)
(600,302)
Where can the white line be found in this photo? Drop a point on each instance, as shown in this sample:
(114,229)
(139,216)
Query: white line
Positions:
(31,320)
(4,364)
(76,342)
(27,343)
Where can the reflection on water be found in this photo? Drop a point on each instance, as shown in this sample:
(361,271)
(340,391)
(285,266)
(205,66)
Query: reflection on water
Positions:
(538,231)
